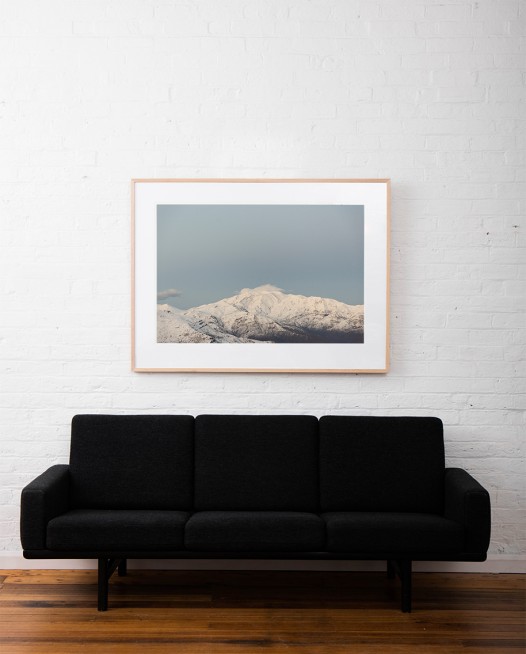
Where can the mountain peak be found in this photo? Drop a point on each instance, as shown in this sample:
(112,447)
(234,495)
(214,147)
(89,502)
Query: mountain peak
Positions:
(264,314)
(260,290)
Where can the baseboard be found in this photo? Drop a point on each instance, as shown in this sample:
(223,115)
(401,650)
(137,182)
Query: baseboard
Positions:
(514,564)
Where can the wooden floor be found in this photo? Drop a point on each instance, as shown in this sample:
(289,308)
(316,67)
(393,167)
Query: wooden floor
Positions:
(53,612)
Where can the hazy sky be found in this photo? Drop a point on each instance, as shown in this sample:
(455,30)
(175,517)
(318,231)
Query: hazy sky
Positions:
(208,252)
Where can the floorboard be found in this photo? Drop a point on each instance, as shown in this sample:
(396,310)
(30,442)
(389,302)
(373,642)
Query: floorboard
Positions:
(242,612)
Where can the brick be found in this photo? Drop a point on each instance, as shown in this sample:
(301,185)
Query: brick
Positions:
(395,45)
(426,61)
(453,28)
(462,94)
(394,28)
(447,11)
(503,10)
(496,45)
(449,45)
(500,78)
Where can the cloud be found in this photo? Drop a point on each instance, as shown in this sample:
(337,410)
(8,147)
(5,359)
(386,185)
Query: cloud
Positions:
(169,292)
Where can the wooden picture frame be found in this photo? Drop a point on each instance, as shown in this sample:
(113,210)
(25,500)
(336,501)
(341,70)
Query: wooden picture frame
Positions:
(260,275)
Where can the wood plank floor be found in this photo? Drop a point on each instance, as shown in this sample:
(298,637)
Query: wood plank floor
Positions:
(54,612)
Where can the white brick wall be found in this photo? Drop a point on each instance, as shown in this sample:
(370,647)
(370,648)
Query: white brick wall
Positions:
(427,92)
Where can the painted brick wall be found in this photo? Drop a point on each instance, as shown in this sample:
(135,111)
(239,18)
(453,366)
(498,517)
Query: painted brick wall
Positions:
(427,92)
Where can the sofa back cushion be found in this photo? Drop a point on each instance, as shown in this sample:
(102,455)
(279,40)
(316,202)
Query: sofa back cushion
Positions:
(256,463)
(132,462)
(381,464)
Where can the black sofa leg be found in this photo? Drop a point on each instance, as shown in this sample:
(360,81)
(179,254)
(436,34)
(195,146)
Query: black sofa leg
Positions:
(402,568)
(405,567)
(102,604)
(122,568)
(106,568)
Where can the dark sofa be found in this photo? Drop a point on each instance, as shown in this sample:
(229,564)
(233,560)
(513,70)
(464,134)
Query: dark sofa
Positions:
(255,487)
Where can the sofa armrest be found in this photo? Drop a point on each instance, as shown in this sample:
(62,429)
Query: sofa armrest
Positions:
(468,503)
(42,499)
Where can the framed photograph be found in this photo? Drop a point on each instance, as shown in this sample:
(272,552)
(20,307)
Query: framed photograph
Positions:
(257,275)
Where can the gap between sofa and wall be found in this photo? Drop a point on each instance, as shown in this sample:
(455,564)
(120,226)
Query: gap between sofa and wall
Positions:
(494,564)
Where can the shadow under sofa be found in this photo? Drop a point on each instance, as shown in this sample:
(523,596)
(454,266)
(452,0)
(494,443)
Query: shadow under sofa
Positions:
(255,487)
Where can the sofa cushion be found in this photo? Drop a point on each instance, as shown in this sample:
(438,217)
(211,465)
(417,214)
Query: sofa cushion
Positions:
(256,463)
(255,531)
(100,529)
(392,532)
(132,462)
(381,464)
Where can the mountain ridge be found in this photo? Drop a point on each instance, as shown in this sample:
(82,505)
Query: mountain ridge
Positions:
(265,314)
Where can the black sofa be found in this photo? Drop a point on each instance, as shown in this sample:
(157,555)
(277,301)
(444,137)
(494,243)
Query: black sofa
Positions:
(255,487)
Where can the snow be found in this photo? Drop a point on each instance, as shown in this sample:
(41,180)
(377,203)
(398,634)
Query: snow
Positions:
(262,314)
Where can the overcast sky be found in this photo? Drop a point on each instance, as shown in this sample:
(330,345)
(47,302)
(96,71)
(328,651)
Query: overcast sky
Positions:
(208,252)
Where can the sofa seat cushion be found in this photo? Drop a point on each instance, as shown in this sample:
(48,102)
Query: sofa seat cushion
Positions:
(256,531)
(102,529)
(392,532)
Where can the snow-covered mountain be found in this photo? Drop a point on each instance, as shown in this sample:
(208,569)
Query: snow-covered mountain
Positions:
(264,314)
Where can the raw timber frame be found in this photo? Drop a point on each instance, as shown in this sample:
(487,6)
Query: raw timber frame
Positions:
(369,356)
